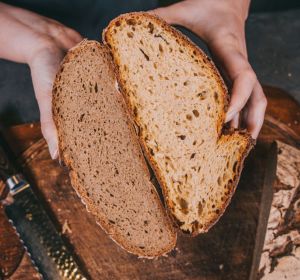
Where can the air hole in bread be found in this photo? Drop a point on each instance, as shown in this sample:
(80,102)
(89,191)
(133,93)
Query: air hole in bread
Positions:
(151,152)
(202,95)
(130,21)
(196,113)
(189,117)
(151,27)
(216,97)
(200,208)
(145,55)
(160,48)
(183,205)
(130,34)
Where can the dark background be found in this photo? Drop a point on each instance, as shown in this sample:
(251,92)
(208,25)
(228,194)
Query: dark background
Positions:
(272,31)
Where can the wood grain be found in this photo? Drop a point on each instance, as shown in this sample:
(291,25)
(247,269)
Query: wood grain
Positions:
(224,253)
(282,120)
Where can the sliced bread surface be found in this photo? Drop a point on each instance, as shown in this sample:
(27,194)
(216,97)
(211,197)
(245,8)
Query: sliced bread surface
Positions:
(178,101)
(98,144)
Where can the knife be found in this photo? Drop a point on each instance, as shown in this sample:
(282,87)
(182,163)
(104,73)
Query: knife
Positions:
(271,151)
(44,244)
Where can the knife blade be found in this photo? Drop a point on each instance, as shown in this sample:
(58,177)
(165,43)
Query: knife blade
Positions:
(265,206)
(45,246)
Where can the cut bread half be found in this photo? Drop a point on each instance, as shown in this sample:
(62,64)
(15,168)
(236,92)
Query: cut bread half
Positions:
(178,100)
(98,144)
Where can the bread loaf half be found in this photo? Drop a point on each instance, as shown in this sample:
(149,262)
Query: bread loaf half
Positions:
(98,144)
(178,101)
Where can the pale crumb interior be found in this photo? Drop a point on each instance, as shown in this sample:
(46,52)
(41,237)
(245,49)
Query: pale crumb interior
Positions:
(178,103)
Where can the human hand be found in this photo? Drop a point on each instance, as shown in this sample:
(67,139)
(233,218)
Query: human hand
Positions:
(40,42)
(221,24)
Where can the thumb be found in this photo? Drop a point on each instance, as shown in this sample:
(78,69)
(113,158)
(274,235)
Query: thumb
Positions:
(43,71)
(50,134)
(171,14)
(47,124)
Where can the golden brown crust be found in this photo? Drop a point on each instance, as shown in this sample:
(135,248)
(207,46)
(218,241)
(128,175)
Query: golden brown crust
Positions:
(81,192)
(188,44)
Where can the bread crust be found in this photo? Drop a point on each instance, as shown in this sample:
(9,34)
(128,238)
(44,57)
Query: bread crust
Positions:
(188,44)
(81,192)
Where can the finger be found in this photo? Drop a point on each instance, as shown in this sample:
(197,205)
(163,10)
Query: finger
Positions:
(63,36)
(50,134)
(65,41)
(73,35)
(47,124)
(256,108)
(171,14)
(235,121)
(239,72)
(242,88)
(43,71)
(234,63)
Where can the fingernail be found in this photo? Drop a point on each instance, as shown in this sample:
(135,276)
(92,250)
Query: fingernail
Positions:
(53,149)
(229,116)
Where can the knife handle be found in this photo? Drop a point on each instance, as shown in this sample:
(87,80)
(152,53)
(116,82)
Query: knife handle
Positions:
(7,168)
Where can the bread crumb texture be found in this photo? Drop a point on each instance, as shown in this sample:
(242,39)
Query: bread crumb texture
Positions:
(98,144)
(178,101)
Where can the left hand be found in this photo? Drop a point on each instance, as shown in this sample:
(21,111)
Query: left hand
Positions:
(41,42)
(221,24)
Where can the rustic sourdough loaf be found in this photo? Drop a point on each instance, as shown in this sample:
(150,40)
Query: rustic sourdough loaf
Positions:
(178,101)
(98,144)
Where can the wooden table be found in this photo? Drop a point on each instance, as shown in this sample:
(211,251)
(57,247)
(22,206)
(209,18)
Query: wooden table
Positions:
(226,252)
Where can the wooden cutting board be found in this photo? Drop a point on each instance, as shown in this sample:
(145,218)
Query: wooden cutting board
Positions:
(226,252)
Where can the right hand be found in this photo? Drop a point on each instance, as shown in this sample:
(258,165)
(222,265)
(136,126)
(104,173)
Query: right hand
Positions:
(40,42)
(221,24)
